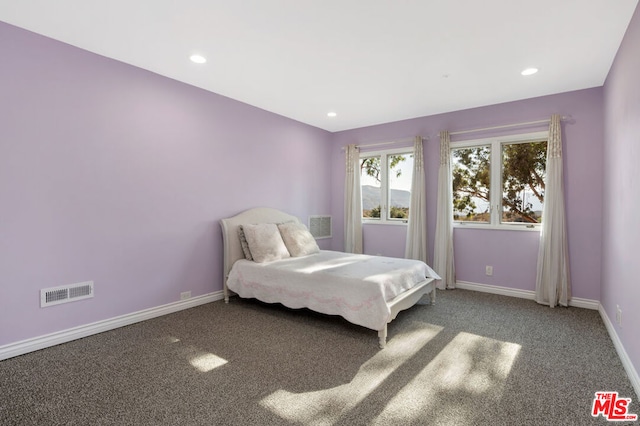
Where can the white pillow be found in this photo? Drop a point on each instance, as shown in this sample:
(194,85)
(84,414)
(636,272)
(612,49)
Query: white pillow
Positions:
(298,239)
(265,242)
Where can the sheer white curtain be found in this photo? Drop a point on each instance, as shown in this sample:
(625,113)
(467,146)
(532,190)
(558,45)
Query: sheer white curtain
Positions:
(416,247)
(553,283)
(443,251)
(352,202)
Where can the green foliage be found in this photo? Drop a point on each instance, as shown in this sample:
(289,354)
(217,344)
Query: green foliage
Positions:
(399,213)
(471,179)
(371,166)
(524,168)
(395,160)
(395,213)
(373,213)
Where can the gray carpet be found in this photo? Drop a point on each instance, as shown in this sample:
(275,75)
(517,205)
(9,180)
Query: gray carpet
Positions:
(472,359)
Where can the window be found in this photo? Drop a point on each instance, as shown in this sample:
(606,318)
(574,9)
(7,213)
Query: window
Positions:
(385,178)
(499,181)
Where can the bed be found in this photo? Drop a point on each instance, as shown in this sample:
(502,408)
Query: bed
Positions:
(368,291)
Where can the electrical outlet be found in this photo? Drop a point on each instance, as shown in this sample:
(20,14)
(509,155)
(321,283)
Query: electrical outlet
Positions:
(185,295)
(619,315)
(489,270)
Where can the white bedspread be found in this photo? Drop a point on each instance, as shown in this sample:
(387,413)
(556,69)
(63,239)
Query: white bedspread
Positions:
(353,286)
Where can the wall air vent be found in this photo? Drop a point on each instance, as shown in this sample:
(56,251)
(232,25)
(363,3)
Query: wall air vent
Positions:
(67,293)
(320,226)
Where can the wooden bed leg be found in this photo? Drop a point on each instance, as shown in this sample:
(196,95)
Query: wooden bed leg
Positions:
(382,337)
(226,294)
(433,296)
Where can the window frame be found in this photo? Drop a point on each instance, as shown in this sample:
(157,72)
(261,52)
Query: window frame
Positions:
(495,144)
(384,184)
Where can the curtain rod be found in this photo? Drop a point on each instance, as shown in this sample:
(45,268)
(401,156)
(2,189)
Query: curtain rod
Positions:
(405,140)
(506,126)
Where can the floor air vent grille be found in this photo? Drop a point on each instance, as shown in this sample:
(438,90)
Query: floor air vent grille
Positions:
(63,294)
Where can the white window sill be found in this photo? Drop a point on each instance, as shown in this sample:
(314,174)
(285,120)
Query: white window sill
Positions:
(514,227)
(381,222)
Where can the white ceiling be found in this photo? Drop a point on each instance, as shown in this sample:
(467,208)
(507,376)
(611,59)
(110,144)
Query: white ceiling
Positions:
(370,61)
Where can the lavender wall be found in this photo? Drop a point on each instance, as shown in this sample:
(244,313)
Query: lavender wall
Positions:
(621,227)
(114,174)
(513,254)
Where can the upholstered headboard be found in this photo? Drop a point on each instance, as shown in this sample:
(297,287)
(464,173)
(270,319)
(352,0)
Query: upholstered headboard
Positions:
(232,248)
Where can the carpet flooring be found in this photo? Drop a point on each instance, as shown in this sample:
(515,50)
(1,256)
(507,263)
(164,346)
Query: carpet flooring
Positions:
(471,359)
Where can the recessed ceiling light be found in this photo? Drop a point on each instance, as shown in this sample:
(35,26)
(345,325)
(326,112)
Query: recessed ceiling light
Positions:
(198,59)
(331,114)
(529,71)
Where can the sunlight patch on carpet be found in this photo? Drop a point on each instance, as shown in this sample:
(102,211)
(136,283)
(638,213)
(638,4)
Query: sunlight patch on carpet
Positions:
(207,361)
(468,368)
(326,406)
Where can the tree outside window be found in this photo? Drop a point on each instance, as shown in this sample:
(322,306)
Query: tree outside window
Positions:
(499,176)
(386,186)
(472,184)
(524,168)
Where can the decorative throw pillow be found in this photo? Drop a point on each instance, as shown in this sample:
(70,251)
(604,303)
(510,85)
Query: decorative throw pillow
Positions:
(298,239)
(244,243)
(265,242)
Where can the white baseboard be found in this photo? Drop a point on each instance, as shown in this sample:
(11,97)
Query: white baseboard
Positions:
(624,358)
(584,303)
(522,294)
(41,342)
(494,289)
